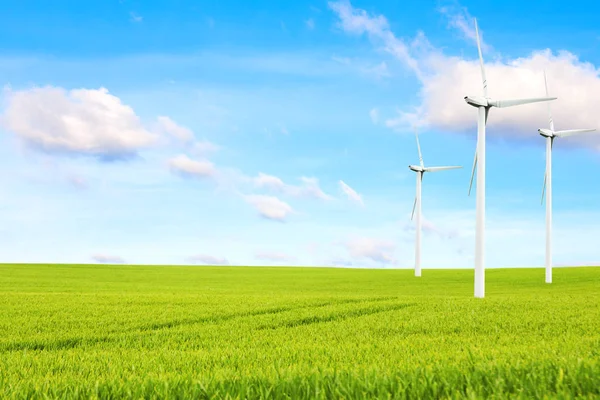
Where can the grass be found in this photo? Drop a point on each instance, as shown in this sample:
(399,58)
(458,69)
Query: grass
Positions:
(235,332)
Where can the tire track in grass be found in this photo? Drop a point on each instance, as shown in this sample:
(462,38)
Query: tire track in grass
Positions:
(256,313)
(334,317)
(70,343)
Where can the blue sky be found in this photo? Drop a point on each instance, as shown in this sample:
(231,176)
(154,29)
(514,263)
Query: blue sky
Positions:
(166,132)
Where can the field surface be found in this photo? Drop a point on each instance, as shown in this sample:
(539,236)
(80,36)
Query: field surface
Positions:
(236,332)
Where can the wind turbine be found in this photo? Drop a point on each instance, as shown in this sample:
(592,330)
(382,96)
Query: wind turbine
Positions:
(483,105)
(420,170)
(550,135)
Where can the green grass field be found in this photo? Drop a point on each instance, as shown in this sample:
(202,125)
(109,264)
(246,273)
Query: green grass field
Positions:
(216,332)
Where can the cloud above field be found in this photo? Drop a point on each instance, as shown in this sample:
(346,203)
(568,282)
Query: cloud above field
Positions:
(373,249)
(446,79)
(274,257)
(96,123)
(89,122)
(107,259)
(430,228)
(270,207)
(206,259)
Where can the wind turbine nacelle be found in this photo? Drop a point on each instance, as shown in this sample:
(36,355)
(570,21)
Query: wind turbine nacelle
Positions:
(546,132)
(416,168)
(476,101)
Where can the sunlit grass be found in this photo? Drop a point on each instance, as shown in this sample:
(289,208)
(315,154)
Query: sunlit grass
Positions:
(204,332)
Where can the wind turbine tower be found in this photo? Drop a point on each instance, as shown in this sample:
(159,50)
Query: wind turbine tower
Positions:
(420,170)
(550,135)
(483,105)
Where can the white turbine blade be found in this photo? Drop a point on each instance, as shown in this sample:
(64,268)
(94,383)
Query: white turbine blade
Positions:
(485,92)
(436,169)
(549,112)
(544,188)
(414,206)
(419,148)
(473,172)
(571,132)
(517,102)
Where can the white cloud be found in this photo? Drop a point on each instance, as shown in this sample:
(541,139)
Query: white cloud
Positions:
(135,17)
(77,181)
(378,71)
(351,193)
(447,79)
(208,260)
(357,21)
(374,114)
(572,81)
(460,19)
(107,259)
(340,262)
(80,121)
(342,60)
(309,189)
(430,228)
(274,256)
(170,127)
(204,147)
(186,167)
(270,207)
(269,181)
(310,23)
(377,250)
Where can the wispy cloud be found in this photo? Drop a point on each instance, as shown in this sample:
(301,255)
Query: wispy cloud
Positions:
(170,127)
(374,114)
(309,189)
(107,259)
(270,207)
(186,167)
(377,28)
(207,259)
(351,193)
(460,19)
(378,250)
(378,71)
(310,23)
(134,17)
(274,257)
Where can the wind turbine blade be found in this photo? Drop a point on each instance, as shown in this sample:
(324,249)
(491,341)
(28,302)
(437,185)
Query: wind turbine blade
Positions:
(419,148)
(544,188)
(483,78)
(487,111)
(571,132)
(414,206)
(436,169)
(547,95)
(517,102)
(473,172)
